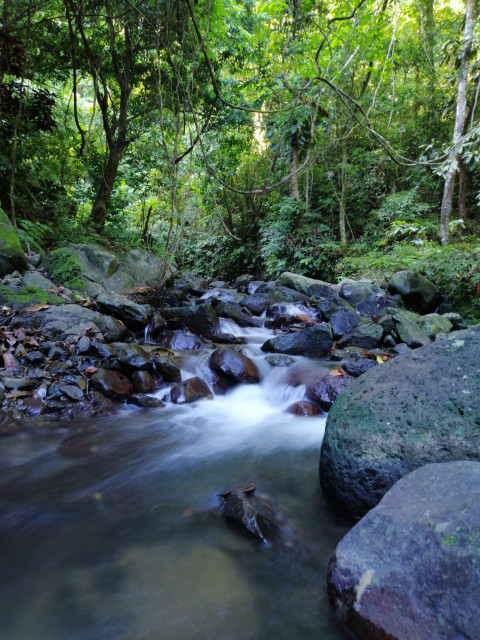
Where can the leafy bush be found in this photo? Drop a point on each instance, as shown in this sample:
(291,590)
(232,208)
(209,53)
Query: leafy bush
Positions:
(34,235)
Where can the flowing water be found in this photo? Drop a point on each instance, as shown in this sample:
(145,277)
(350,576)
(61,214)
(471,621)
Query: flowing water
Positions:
(109,529)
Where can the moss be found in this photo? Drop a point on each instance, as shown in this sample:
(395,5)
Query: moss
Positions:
(26,296)
(65,268)
(11,253)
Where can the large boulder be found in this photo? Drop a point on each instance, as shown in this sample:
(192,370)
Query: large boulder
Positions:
(200,318)
(356,291)
(12,256)
(313,341)
(307,286)
(411,567)
(130,313)
(417,408)
(417,292)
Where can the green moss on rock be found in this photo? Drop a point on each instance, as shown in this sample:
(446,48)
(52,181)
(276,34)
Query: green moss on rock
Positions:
(26,296)
(12,256)
(65,268)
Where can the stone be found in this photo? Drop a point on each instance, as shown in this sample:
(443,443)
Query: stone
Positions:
(417,292)
(357,366)
(313,341)
(396,417)
(367,336)
(111,384)
(143,382)
(190,390)
(411,567)
(433,324)
(355,291)
(34,407)
(234,311)
(201,319)
(307,286)
(412,335)
(328,389)
(12,256)
(144,401)
(344,321)
(179,340)
(17,384)
(456,319)
(132,356)
(71,391)
(130,313)
(257,303)
(35,279)
(166,367)
(279,360)
(83,345)
(303,408)
(234,366)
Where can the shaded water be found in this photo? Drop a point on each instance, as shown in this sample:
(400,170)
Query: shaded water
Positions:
(108,530)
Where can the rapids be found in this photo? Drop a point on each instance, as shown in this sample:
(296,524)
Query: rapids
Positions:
(108,530)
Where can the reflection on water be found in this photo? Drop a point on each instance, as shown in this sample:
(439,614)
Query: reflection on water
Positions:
(108,530)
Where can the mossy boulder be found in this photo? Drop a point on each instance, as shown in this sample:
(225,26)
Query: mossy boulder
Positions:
(21,297)
(12,256)
(417,408)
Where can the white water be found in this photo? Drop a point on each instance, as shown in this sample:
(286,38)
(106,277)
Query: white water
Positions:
(119,542)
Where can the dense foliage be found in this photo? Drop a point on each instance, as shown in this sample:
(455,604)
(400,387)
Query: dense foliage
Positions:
(247,135)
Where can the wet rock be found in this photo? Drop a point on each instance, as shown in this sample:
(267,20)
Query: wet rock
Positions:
(344,321)
(102,350)
(190,390)
(12,256)
(411,567)
(303,408)
(157,325)
(327,390)
(242,281)
(367,336)
(8,425)
(34,407)
(111,384)
(166,367)
(252,514)
(234,366)
(258,302)
(375,304)
(357,366)
(307,286)
(71,391)
(417,292)
(305,373)
(56,353)
(253,285)
(282,293)
(433,324)
(35,357)
(130,313)
(146,402)
(132,356)
(143,382)
(313,341)
(180,341)
(201,319)
(279,360)
(325,307)
(234,311)
(392,420)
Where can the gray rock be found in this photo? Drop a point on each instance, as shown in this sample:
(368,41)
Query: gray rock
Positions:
(355,291)
(344,321)
(313,341)
(35,279)
(180,341)
(130,313)
(396,417)
(433,324)
(367,336)
(132,356)
(166,367)
(358,366)
(279,360)
(456,319)
(18,384)
(234,311)
(71,391)
(111,384)
(200,318)
(325,391)
(411,567)
(307,286)
(143,382)
(417,292)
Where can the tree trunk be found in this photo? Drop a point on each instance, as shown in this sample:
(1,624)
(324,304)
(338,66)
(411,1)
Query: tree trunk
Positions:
(343,197)
(462,190)
(447,201)
(104,193)
(294,191)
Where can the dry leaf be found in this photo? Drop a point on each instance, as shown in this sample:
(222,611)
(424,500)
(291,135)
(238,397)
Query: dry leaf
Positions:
(89,371)
(18,394)
(9,361)
(337,372)
(37,307)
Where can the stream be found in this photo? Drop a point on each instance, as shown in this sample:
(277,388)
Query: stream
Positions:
(110,529)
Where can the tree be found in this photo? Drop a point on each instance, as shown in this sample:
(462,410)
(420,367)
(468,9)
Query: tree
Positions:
(460,117)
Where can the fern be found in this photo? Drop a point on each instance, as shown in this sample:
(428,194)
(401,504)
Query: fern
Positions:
(33,235)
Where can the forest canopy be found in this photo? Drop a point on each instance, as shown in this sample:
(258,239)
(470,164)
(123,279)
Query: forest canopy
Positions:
(326,138)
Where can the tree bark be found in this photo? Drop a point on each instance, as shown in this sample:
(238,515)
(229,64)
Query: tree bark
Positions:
(104,193)
(343,197)
(447,201)
(294,191)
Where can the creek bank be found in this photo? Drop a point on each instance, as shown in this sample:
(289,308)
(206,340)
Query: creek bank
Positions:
(82,347)
(411,567)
